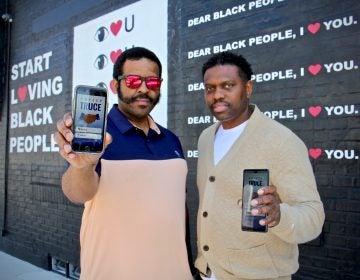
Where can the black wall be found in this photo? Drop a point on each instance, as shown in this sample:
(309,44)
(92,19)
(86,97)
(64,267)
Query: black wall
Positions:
(2,52)
(321,107)
(307,78)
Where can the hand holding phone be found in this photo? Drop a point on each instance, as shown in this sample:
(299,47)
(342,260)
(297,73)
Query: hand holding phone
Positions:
(253,180)
(89,119)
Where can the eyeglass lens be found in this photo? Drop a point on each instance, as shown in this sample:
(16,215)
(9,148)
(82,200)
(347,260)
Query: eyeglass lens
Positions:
(134,81)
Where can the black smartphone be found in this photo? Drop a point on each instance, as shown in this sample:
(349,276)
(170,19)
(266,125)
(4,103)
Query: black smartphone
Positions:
(253,180)
(89,119)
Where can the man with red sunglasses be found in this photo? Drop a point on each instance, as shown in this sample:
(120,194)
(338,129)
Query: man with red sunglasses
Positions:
(133,225)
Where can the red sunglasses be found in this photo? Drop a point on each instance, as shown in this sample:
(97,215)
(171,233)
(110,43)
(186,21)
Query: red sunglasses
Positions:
(135,81)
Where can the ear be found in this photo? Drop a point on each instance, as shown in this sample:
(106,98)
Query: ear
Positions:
(249,88)
(114,83)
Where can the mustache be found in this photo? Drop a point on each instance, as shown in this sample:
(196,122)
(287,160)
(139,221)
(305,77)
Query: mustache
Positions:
(218,102)
(134,98)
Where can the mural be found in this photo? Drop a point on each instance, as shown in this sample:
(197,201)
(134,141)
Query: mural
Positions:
(305,56)
(99,42)
(28,91)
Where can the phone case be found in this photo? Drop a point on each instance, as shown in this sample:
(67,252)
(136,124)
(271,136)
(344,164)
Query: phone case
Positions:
(89,119)
(253,180)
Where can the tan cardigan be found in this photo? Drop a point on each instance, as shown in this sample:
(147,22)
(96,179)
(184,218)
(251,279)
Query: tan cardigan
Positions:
(235,254)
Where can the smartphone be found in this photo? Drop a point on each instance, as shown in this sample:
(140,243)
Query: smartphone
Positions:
(89,119)
(253,180)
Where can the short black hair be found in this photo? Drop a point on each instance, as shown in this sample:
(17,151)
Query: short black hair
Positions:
(229,58)
(134,53)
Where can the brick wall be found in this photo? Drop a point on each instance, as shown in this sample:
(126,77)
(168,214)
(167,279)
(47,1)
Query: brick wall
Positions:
(305,37)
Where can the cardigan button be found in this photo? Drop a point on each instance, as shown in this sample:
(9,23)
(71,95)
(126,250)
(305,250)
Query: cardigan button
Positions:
(205,214)
(206,248)
(212,178)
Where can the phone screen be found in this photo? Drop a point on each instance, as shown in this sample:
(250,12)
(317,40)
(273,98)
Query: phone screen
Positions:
(89,115)
(253,180)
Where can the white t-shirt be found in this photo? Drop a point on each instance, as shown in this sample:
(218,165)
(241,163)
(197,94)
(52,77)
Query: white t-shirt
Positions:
(224,139)
(212,277)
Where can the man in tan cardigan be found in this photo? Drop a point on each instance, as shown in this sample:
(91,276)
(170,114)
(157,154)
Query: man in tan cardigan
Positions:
(244,138)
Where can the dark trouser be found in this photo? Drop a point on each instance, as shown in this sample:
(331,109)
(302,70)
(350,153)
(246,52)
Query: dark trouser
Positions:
(197,276)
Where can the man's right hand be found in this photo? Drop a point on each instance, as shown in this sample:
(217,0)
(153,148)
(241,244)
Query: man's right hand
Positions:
(64,136)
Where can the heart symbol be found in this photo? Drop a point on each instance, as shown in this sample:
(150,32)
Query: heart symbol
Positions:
(315,152)
(313,28)
(315,110)
(22,92)
(314,69)
(115,27)
(113,86)
(115,54)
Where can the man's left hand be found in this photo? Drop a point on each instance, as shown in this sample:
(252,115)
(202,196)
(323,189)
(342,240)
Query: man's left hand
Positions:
(268,203)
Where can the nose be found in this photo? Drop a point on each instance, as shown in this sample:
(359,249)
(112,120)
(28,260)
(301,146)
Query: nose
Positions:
(143,87)
(218,94)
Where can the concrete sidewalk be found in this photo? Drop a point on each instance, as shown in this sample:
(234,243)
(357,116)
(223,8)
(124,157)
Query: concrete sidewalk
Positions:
(12,268)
